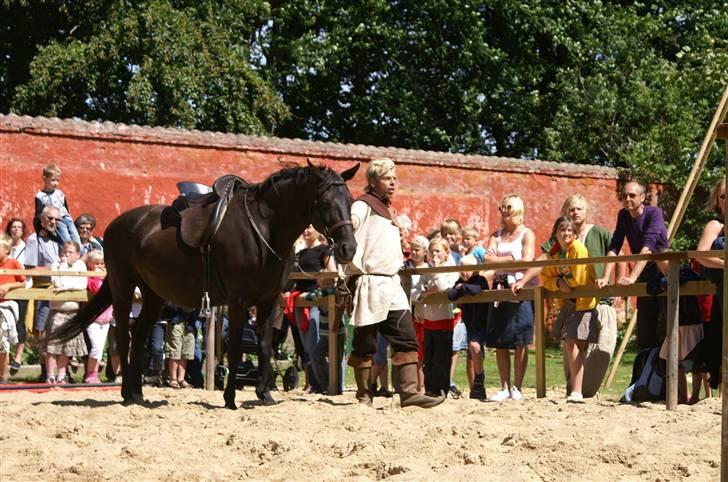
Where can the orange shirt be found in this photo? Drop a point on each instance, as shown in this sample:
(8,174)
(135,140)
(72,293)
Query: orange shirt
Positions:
(11,263)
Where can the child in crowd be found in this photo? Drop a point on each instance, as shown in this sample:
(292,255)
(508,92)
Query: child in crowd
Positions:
(475,316)
(577,319)
(451,231)
(438,321)
(470,245)
(60,312)
(99,329)
(8,308)
(179,345)
(418,255)
(50,195)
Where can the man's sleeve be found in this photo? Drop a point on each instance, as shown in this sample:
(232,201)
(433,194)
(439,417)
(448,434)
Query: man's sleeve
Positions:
(652,229)
(31,252)
(360,210)
(618,237)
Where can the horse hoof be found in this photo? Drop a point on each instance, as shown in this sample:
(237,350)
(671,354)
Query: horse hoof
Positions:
(231,405)
(134,399)
(266,398)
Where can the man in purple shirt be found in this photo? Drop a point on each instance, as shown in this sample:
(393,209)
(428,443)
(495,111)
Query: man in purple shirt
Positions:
(644,228)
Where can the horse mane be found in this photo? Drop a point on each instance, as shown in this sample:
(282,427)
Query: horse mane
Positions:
(300,175)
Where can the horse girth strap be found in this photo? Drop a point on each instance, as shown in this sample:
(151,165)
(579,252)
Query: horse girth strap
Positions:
(215,223)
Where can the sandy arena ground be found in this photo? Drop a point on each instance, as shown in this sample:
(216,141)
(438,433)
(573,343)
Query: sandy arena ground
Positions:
(187,435)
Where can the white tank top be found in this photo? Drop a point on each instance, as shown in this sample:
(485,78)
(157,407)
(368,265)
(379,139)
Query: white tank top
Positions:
(511,248)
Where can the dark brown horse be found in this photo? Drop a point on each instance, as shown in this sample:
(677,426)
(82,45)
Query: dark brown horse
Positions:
(251,258)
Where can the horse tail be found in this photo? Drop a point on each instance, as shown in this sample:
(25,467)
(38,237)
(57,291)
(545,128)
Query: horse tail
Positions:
(85,316)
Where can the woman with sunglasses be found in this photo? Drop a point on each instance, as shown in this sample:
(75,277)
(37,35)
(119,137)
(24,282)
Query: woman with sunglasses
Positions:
(85,224)
(510,324)
(16,231)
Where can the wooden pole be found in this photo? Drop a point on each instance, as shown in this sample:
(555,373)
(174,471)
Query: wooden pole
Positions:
(538,319)
(687,192)
(622,347)
(334,360)
(219,349)
(724,368)
(673,334)
(210,351)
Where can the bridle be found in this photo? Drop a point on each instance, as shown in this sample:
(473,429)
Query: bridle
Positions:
(328,231)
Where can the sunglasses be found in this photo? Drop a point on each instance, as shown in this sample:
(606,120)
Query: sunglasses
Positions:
(84,228)
(505,208)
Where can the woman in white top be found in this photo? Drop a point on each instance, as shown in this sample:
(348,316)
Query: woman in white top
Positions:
(510,324)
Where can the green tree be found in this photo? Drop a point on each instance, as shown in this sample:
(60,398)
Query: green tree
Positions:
(169,63)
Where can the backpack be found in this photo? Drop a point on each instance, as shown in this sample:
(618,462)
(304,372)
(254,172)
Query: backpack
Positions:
(648,378)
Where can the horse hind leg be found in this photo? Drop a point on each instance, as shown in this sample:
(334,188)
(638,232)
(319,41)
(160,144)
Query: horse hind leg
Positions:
(151,310)
(123,294)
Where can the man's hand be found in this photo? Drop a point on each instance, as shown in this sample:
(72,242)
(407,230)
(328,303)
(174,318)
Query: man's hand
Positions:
(626,281)
(516,287)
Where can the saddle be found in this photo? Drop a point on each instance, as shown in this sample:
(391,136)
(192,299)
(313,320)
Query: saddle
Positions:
(202,208)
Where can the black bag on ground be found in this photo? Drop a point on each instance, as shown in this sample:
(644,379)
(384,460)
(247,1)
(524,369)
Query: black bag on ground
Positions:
(648,378)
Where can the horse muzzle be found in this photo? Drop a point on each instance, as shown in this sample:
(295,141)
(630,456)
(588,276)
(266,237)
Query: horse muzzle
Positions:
(344,252)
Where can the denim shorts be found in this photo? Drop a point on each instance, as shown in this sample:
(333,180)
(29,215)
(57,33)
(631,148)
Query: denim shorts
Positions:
(460,337)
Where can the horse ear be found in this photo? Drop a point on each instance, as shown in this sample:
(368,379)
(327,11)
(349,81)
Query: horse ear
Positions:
(314,169)
(349,173)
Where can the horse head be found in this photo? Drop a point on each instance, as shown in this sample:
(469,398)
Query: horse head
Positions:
(331,211)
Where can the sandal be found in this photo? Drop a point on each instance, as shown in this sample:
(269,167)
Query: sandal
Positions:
(174,384)
(14,367)
(184,384)
(51,380)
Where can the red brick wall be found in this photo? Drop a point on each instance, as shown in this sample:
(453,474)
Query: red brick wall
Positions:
(109,168)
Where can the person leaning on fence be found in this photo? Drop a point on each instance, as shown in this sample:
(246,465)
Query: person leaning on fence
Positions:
(452,232)
(51,195)
(17,231)
(9,311)
(577,316)
(644,229)
(418,255)
(43,251)
(510,324)
(58,353)
(597,240)
(379,302)
(713,237)
(475,316)
(439,321)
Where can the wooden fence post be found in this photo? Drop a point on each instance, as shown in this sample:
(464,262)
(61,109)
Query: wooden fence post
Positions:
(673,333)
(538,319)
(210,351)
(334,359)
(724,369)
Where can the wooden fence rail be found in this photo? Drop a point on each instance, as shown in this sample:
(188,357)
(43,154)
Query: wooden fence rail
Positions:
(536,294)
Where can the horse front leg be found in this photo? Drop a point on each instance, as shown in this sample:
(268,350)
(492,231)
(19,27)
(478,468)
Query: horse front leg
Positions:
(265,351)
(236,318)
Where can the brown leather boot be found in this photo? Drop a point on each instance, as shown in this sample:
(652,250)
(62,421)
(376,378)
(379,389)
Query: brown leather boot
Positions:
(362,368)
(409,396)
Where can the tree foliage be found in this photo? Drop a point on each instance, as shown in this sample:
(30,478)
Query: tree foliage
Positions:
(169,63)
(628,84)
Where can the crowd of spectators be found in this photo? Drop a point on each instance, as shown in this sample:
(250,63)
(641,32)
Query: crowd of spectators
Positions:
(443,330)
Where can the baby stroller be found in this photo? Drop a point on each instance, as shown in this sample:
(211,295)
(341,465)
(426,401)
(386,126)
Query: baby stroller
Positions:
(247,375)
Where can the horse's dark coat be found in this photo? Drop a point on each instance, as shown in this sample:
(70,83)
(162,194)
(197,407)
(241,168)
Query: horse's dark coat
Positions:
(143,248)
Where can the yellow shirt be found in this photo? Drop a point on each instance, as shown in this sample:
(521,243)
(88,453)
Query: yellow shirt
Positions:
(574,276)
